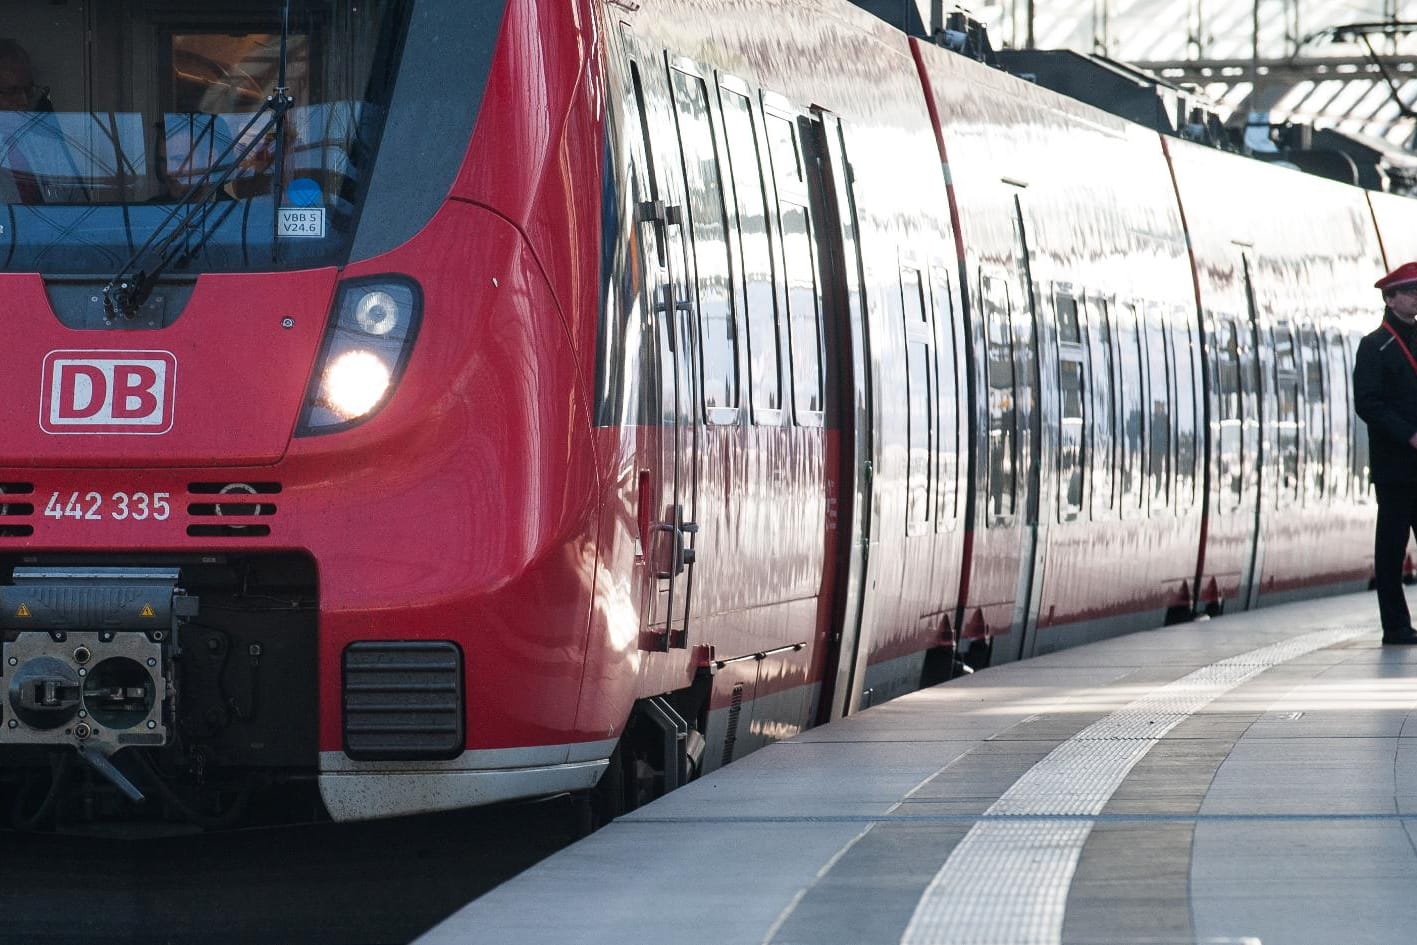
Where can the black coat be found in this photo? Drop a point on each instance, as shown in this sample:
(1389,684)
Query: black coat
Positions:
(1385,396)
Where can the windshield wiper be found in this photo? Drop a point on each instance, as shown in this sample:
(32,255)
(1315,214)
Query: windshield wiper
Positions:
(278,168)
(128,291)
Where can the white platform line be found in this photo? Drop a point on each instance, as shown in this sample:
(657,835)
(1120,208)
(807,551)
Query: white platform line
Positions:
(1006,882)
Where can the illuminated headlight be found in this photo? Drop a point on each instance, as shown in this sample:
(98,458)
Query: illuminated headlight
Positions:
(354,382)
(368,342)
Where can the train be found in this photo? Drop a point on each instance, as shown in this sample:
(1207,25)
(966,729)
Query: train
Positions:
(418,404)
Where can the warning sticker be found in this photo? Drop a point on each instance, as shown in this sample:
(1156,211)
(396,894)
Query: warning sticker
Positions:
(24,611)
(147,611)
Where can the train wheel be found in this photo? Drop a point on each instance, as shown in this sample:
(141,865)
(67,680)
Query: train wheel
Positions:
(1181,613)
(979,654)
(607,800)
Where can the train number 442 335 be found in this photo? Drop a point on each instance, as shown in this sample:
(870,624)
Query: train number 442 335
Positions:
(119,506)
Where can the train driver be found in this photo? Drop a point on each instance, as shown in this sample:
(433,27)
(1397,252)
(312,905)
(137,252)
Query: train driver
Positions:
(18,93)
(1385,396)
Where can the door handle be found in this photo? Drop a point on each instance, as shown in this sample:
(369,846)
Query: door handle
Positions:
(680,554)
(674,566)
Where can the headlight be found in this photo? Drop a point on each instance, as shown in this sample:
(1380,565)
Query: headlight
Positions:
(354,382)
(378,313)
(367,343)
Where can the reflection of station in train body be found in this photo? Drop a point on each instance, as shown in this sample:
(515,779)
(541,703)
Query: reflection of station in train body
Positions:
(527,398)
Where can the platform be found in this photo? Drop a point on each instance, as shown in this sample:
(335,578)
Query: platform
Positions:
(1250,779)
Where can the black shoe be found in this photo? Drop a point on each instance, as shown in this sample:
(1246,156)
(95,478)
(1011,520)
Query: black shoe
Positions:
(1404,637)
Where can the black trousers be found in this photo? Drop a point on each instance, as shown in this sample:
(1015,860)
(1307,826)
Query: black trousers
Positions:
(1397,518)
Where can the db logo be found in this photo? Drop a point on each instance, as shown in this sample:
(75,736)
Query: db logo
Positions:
(108,392)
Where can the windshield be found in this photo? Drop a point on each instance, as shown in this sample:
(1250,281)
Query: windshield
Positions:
(112,112)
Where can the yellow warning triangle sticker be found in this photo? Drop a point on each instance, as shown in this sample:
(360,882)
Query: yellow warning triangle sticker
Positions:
(24,611)
(147,611)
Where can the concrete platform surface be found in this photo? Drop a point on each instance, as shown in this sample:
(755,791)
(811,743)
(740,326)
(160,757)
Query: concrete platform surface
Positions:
(1251,779)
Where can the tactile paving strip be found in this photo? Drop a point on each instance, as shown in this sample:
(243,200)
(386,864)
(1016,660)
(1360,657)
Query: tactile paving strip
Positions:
(1006,882)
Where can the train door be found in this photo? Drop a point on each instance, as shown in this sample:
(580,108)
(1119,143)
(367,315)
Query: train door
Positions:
(850,407)
(1030,445)
(666,450)
(1252,408)
(1026,435)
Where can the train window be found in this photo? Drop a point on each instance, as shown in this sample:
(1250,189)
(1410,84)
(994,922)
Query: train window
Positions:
(1340,412)
(804,294)
(763,355)
(1286,426)
(1104,406)
(1159,470)
(1230,433)
(1227,368)
(1185,384)
(154,100)
(1069,331)
(918,366)
(210,72)
(621,273)
(1072,394)
(804,313)
(1359,462)
(1315,415)
(782,144)
(642,121)
(718,342)
(1131,371)
(999,371)
(947,475)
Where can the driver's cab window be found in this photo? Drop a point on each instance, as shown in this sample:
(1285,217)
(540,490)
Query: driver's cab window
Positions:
(213,84)
(142,105)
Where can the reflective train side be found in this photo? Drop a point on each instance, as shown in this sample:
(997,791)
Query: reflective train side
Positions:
(1134,359)
(765,364)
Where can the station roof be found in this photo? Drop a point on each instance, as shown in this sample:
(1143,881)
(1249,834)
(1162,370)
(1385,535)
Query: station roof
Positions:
(1293,59)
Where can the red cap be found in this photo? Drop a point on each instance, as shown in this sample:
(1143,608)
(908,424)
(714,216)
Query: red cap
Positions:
(1405,274)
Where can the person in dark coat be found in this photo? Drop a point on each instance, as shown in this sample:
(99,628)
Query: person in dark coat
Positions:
(1385,396)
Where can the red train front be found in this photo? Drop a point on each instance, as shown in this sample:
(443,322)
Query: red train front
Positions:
(299,480)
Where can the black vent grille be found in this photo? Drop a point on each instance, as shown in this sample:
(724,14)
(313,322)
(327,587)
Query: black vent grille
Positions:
(403,700)
(234,509)
(15,513)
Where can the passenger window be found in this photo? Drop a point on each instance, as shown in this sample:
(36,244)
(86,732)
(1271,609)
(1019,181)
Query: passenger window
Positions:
(1104,406)
(1186,384)
(782,143)
(718,341)
(1131,399)
(1069,328)
(1158,387)
(763,358)
(622,268)
(1340,410)
(1286,387)
(1072,394)
(1229,439)
(1316,416)
(804,310)
(999,370)
(947,473)
(1358,462)
(919,369)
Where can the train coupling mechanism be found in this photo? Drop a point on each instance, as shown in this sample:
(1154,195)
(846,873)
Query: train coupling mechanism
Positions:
(86,660)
